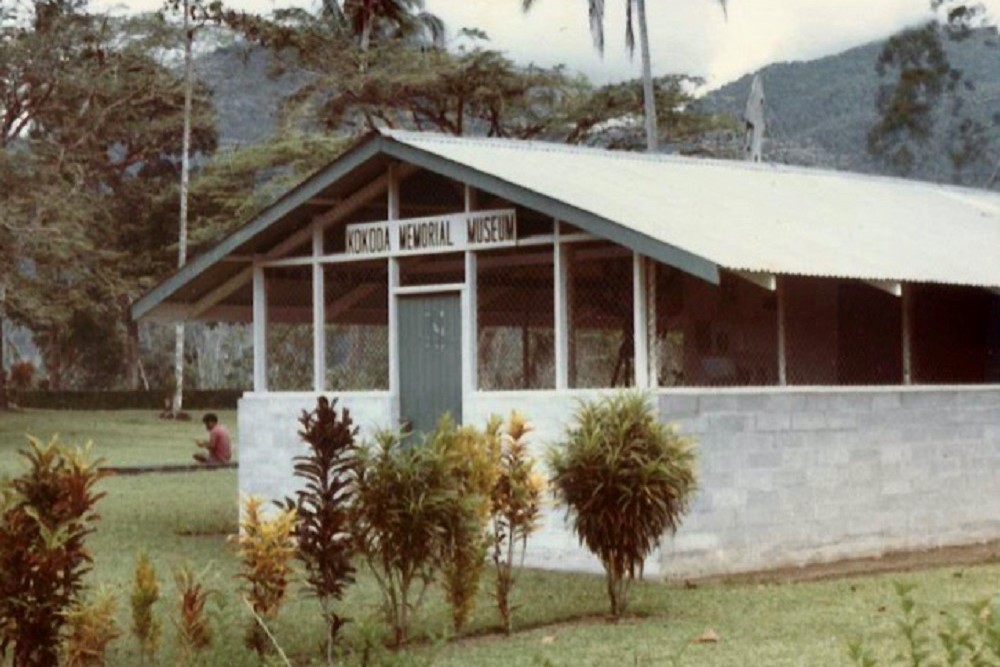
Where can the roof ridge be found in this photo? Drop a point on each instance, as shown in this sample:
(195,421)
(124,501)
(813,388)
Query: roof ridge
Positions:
(666,158)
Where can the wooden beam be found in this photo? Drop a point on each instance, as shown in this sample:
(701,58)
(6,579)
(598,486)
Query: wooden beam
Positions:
(907,333)
(259,330)
(640,325)
(782,335)
(355,296)
(319,314)
(561,305)
(344,209)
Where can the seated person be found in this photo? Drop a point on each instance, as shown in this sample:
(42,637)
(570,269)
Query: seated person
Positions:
(219,447)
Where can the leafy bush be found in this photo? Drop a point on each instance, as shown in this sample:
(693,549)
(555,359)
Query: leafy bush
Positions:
(325,542)
(92,628)
(145,593)
(626,479)
(45,516)
(194,634)
(515,508)
(472,458)
(407,496)
(972,639)
(266,548)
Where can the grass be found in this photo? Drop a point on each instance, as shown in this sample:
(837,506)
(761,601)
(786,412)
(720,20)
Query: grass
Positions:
(187,518)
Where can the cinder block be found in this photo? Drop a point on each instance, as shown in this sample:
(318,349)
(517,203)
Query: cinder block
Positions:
(772,421)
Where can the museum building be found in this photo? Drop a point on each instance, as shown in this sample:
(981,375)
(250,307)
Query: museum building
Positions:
(831,340)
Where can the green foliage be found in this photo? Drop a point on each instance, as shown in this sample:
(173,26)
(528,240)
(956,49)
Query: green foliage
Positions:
(91,629)
(407,499)
(196,399)
(515,507)
(626,479)
(46,515)
(194,633)
(969,640)
(326,545)
(266,548)
(472,457)
(145,594)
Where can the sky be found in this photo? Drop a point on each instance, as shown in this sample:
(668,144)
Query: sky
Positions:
(687,36)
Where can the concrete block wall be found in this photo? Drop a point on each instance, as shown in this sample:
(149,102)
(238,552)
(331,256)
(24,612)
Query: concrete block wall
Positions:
(269,440)
(810,475)
(787,477)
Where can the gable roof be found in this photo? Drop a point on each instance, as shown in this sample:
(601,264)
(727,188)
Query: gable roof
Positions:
(698,215)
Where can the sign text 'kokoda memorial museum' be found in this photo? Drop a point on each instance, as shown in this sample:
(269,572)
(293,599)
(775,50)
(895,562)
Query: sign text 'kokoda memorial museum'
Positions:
(446,233)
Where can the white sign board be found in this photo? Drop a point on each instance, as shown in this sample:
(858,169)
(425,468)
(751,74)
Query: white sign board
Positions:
(443,233)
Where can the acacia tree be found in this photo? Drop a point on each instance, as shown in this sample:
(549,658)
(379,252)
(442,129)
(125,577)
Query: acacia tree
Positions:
(78,180)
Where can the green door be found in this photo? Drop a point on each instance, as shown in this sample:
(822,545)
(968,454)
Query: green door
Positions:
(430,360)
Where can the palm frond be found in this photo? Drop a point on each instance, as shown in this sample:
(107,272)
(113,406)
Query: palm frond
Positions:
(597,23)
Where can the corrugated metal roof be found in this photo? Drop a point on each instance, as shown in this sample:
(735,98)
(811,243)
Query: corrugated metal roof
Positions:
(758,217)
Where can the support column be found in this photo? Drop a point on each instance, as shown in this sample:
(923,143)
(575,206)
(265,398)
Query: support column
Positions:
(319,313)
(560,280)
(907,305)
(470,311)
(640,321)
(651,318)
(259,330)
(782,341)
(393,210)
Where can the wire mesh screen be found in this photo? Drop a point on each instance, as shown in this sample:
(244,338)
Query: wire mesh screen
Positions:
(432,269)
(601,349)
(357,326)
(956,334)
(516,340)
(841,333)
(714,335)
(289,328)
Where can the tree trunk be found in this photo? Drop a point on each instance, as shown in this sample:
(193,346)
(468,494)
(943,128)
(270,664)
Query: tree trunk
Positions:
(4,401)
(178,400)
(648,94)
(132,375)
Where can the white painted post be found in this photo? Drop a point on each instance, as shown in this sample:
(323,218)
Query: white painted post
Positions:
(393,196)
(782,343)
(470,311)
(651,317)
(907,305)
(259,330)
(319,313)
(640,362)
(560,280)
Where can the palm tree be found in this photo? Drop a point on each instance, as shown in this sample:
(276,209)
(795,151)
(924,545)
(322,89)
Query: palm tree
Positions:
(368,19)
(635,12)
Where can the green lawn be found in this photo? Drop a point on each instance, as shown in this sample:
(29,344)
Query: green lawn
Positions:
(187,517)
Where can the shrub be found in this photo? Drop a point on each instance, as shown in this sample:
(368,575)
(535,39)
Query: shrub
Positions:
(145,593)
(971,639)
(472,460)
(406,498)
(194,634)
(626,479)
(45,516)
(326,545)
(265,548)
(92,628)
(515,508)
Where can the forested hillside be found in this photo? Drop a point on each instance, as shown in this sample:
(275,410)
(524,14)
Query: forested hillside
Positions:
(820,112)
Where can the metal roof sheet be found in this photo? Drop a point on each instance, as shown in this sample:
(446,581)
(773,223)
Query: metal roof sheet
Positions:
(757,217)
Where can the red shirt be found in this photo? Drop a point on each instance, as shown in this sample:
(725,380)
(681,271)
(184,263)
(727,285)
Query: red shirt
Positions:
(220,447)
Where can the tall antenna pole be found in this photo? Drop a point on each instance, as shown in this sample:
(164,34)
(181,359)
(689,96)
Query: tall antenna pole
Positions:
(755,121)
